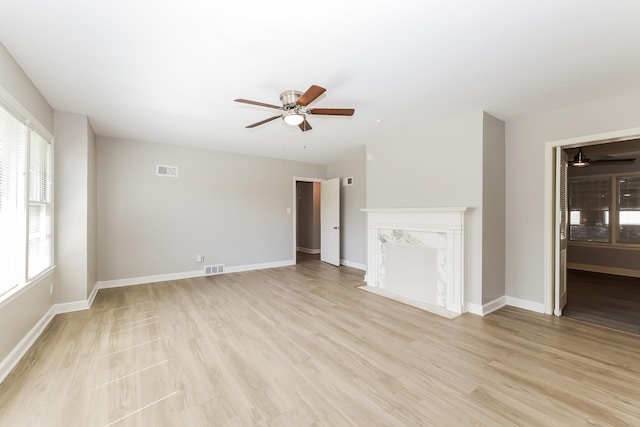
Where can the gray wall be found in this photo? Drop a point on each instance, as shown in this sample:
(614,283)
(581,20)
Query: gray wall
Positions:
(525,139)
(75,241)
(23,311)
(493,209)
(440,165)
(353,222)
(308,215)
(231,208)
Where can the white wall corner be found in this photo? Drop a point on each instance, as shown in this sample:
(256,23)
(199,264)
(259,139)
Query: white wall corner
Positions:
(18,352)
(490,307)
(92,295)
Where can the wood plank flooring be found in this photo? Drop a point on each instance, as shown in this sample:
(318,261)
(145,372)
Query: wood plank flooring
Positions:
(301,345)
(604,299)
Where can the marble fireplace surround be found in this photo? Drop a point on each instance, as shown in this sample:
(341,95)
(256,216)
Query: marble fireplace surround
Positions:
(436,235)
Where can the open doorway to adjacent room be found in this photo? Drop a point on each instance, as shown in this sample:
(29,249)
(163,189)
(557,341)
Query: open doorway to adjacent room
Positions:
(599,271)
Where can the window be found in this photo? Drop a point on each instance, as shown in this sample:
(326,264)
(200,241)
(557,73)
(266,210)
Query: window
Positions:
(589,204)
(629,210)
(25,202)
(591,207)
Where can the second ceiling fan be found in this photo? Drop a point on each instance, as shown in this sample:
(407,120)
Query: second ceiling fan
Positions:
(294,108)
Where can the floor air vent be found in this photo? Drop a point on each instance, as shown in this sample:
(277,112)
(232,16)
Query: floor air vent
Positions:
(213,269)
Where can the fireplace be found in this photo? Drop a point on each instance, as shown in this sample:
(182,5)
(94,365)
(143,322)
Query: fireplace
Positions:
(416,256)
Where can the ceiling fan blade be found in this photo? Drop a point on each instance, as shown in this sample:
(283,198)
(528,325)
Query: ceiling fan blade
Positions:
(263,122)
(332,111)
(260,104)
(305,126)
(310,95)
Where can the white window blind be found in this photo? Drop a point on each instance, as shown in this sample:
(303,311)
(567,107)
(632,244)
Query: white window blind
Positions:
(25,202)
(13,135)
(39,236)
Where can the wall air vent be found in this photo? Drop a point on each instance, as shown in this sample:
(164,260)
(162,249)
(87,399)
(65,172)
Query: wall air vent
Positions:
(164,170)
(210,270)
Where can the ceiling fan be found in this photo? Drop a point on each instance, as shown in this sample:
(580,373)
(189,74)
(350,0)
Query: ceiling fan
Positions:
(294,108)
(579,160)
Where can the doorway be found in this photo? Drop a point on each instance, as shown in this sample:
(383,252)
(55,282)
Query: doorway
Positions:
(581,284)
(328,203)
(307,220)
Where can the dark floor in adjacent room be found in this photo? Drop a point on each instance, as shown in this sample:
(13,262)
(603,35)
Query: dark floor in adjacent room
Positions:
(604,299)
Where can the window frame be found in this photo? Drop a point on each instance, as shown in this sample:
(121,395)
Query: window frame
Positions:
(31,126)
(613,212)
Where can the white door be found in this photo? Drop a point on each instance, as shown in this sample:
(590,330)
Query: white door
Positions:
(330,221)
(560,233)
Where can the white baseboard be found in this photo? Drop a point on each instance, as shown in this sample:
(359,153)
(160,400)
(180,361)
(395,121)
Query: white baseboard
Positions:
(525,304)
(18,352)
(261,266)
(106,284)
(92,295)
(117,283)
(308,251)
(352,264)
(484,309)
(606,270)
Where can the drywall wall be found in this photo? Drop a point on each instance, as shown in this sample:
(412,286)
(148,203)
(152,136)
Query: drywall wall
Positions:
(231,208)
(75,240)
(353,222)
(436,165)
(23,311)
(493,209)
(525,139)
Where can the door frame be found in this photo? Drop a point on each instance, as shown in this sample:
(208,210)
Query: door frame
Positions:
(295,211)
(549,197)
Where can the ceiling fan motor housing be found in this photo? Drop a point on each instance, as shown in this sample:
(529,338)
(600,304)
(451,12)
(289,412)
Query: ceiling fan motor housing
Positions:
(289,98)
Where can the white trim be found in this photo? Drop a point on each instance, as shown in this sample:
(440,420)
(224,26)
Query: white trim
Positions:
(92,295)
(69,307)
(18,352)
(117,283)
(308,251)
(549,184)
(490,307)
(526,304)
(352,264)
(261,266)
(603,269)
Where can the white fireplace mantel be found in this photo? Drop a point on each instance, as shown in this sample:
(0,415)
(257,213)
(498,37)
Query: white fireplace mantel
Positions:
(416,256)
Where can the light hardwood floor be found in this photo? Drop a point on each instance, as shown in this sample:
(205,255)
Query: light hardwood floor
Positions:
(302,345)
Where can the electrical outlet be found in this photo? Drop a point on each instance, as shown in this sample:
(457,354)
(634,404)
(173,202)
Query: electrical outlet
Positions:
(199,258)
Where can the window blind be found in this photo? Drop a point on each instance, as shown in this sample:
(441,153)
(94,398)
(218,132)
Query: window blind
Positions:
(12,207)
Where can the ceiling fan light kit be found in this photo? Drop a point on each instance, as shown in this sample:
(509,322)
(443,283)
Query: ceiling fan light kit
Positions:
(294,109)
(293,118)
(579,160)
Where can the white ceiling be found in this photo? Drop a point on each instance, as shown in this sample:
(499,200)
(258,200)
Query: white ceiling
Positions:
(168,71)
